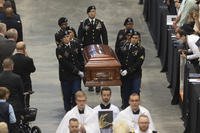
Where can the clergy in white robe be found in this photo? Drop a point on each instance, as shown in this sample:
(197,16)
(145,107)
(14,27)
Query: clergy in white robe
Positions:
(132,113)
(106,109)
(105,102)
(86,116)
(143,123)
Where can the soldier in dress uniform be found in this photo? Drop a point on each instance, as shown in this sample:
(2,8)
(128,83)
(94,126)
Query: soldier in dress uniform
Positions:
(131,56)
(70,68)
(92,31)
(121,36)
(63,24)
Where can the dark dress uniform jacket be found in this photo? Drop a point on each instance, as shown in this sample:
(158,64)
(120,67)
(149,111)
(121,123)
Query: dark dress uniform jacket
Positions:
(89,33)
(14,83)
(57,39)
(131,59)
(7,48)
(24,66)
(70,61)
(121,36)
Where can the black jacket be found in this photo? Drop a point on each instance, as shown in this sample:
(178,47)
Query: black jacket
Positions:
(121,36)
(14,22)
(24,66)
(7,48)
(92,33)
(131,59)
(14,84)
(57,39)
(70,61)
(4,112)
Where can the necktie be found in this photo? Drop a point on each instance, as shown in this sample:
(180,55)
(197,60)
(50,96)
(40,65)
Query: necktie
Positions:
(92,22)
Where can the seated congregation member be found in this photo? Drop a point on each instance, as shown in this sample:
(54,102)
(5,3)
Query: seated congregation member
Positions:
(7,47)
(7,114)
(14,84)
(106,108)
(143,122)
(73,125)
(24,66)
(131,114)
(86,116)
(71,67)
(131,57)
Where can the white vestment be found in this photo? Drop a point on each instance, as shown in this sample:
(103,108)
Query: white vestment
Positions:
(131,119)
(89,119)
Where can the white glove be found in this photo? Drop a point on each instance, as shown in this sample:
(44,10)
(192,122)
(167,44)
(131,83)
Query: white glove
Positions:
(81,74)
(124,73)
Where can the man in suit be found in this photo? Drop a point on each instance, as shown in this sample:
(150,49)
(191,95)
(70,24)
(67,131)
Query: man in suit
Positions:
(92,31)
(14,84)
(23,66)
(7,47)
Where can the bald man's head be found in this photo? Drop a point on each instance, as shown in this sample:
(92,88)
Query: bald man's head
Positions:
(20,46)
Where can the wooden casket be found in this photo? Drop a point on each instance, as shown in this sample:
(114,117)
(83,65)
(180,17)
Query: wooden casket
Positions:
(102,67)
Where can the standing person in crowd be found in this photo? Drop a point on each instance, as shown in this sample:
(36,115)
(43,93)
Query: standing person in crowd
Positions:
(121,36)
(86,116)
(190,40)
(143,122)
(13,20)
(73,125)
(63,24)
(7,114)
(14,84)
(7,47)
(131,114)
(185,7)
(106,106)
(71,68)
(13,5)
(12,35)
(24,66)
(131,57)
(92,31)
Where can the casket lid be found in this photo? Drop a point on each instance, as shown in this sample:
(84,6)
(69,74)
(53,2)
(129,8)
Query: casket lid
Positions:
(99,52)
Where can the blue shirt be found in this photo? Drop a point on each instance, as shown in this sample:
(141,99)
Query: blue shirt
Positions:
(12,118)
